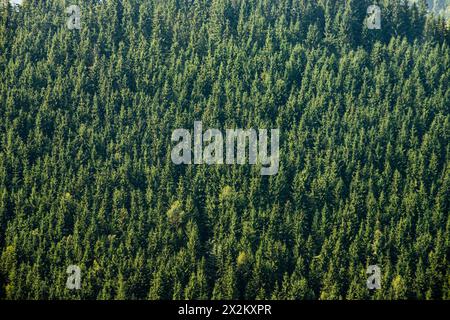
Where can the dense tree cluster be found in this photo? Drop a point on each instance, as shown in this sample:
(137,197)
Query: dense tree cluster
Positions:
(86,179)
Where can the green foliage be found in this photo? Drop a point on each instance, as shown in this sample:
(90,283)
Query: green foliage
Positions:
(175,214)
(86,179)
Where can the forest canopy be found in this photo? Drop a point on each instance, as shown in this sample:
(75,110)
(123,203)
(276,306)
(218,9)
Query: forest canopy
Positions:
(86,117)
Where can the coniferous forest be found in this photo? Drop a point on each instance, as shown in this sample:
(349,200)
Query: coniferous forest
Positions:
(86,177)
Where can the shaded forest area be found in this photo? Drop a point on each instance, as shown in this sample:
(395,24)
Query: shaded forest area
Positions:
(86,178)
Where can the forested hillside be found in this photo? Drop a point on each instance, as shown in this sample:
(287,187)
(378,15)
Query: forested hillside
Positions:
(86,178)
